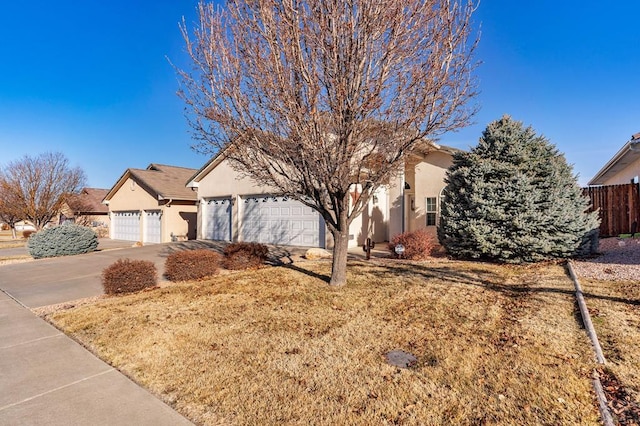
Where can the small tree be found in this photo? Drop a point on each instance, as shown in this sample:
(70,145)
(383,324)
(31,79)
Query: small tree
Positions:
(36,188)
(513,198)
(313,98)
(9,210)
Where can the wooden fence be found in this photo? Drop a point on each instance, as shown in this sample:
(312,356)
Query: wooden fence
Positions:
(619,207)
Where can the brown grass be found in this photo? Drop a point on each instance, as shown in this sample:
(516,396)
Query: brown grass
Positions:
(495,345)
(5,260)
(12,244)
(615,311)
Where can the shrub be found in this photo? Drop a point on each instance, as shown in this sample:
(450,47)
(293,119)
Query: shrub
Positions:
(5,227)
(191,265)
(418,245)
(27,233)
(62,240)
(514,198)
(128,276)
(245,255)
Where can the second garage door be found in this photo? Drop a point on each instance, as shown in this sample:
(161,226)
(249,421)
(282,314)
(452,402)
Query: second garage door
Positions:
(280,220)
(153,226)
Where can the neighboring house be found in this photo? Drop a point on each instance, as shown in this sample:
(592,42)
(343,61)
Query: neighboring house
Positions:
(25,225)
(624,167)
(232,207)
(86,208)
(153,205)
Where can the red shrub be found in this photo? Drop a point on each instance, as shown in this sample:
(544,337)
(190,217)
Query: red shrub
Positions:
(128,276)
(418,245)
(191,265)
(245,255)
(27,233)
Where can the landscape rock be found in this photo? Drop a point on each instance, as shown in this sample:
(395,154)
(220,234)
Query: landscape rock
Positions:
(317,253)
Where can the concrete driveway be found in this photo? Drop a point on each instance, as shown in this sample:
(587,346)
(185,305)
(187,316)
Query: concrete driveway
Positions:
(46,378)
(55,280)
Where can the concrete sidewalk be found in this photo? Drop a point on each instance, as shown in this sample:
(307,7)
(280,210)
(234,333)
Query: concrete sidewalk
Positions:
(47,378)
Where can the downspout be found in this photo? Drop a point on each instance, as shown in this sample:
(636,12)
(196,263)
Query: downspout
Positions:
(402,203)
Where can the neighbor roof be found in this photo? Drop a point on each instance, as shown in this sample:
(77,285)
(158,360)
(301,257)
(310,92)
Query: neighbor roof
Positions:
(160,180)
(629,153)
(89,200)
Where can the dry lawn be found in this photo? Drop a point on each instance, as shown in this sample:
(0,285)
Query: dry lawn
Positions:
(615,311)
(495,345)
(7,242)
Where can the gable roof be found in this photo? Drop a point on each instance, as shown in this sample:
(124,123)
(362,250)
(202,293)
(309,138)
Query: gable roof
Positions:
(422,150)
(629,153)
(160,180)
(89,200)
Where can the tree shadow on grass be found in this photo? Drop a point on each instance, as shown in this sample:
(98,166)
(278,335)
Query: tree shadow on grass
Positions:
(482,278)
(312,274)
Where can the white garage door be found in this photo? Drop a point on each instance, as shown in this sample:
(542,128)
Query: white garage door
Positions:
(217,213)
(126,226)
(153,226)
(279,220)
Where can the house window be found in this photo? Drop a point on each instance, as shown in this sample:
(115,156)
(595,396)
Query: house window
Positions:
(432,210)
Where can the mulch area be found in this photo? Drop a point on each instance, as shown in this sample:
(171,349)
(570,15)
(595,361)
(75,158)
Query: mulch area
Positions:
(624,409)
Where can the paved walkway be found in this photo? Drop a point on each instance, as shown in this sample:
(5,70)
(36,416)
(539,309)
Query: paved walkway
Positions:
(46,378)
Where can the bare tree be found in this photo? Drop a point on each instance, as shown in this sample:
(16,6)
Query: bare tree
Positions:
(36,188)
(9,213)
(317,97)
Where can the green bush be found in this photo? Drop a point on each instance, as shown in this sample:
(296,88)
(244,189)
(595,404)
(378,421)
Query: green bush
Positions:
(191,265)
(514,198)
(418,245)
(245,255)
(63,240)
(128,276)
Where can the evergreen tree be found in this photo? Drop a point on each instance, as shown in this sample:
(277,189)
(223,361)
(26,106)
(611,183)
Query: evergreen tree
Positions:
(514,198)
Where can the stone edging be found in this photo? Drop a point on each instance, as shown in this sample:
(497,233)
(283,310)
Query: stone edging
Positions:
(607,419)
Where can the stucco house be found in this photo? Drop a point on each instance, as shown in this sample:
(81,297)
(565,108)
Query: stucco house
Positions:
(86,208)
(624,166)
(152,205)
(231,207)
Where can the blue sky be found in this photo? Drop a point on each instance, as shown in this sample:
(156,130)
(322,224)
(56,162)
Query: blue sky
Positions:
(90,79)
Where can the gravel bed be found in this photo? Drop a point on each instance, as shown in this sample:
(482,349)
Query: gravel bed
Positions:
(619,260)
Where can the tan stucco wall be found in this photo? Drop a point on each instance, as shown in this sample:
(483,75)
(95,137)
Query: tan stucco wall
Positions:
(394,201)
(373,222)
(429,182)
(178,218)
(130,197)
(625,175)
(426,179)
(225,181)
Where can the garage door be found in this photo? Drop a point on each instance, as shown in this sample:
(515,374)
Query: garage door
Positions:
(153,226)
(126,226)
(217,213)
(280,220)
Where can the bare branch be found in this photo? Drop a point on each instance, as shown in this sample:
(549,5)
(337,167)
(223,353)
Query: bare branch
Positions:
(317,96)
(34,189)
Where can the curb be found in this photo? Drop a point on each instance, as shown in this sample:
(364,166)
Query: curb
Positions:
(605,413)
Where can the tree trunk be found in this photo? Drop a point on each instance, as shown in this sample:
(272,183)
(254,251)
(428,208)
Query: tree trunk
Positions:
(340,244)
(14,235)
(339,263)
